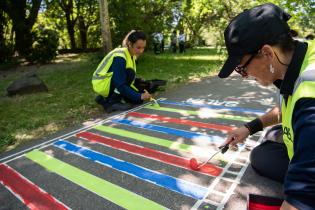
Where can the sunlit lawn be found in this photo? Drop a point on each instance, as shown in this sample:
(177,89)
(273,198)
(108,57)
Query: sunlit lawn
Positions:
(70,100)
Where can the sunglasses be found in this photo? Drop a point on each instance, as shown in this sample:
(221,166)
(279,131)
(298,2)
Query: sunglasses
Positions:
(242,69)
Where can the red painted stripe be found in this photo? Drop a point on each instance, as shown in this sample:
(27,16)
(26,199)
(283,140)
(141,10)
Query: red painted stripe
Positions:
(183,122)
(31,195)
(259,206)
(208,169)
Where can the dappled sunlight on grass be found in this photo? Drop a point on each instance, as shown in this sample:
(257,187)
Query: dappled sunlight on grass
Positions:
(50,128)
(23,135)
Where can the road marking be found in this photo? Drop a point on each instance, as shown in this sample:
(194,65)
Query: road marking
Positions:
(171,131)
(167,158)
(107,190)
(177,185)
(202,113)
(145,138)
(31,195)
(218,127)
(225,108)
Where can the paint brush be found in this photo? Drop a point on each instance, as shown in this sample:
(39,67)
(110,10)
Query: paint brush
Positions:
(154,102)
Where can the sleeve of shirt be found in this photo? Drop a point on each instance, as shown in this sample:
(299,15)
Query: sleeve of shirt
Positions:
(119,79)
(299,185)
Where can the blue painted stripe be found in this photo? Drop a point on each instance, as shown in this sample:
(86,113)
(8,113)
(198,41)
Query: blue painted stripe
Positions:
(172,131)
(237,109)
(178,185)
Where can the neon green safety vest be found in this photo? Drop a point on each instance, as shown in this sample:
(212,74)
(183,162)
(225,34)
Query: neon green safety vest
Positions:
(304,87)
(102,78)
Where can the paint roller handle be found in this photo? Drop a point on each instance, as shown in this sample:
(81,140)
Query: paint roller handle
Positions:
(225,147)
(146,96)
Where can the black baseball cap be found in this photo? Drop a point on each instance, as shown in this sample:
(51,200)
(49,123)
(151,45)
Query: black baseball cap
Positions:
(250,30)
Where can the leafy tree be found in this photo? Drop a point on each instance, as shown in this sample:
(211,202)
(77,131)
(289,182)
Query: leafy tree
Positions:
(87,16)
(23,14)
(147,15)
(5,49)
(67,7)
(44,49)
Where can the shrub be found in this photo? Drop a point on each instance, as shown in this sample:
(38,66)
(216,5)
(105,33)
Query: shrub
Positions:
(44,48)
(6,52)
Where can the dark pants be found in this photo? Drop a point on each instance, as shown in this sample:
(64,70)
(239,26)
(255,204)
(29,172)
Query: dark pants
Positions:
(157,48)
(182,47)
(173,47)
(114,97)
(270,159)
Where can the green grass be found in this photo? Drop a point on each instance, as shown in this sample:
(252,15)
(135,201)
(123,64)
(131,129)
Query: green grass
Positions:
(70,99)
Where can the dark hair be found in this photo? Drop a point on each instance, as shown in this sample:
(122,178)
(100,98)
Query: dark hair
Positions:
(309,37)
(284,41)
(133,36)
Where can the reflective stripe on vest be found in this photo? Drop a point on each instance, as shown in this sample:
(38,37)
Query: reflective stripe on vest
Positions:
(102,78)
(304,87)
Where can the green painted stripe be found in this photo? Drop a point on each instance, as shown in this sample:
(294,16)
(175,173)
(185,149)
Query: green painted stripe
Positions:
(107,190)
(145,138)
(190,112)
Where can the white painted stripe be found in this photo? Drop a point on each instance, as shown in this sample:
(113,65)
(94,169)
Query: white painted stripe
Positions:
(238,178)
(234,182)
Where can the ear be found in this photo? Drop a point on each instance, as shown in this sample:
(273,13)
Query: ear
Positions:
(267,52)
(129,44)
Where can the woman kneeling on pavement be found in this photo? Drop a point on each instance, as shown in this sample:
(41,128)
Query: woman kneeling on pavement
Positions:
(114,78)
(260,45)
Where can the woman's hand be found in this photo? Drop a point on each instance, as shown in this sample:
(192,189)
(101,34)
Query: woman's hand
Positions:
(239,135)
(146,95)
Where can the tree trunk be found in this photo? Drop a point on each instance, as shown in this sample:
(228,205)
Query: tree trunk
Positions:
(67,7)
(70,28)
(106,36)
(83,32)
(22,23)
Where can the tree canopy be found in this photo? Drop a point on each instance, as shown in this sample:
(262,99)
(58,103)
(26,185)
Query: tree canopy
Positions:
(77,22)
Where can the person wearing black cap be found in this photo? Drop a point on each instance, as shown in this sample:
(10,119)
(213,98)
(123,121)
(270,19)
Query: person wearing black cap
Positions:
(260,45)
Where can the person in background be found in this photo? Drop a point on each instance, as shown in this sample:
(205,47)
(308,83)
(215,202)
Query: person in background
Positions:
(174,41)
(158,42)
(260,46)
(181,41)
(162,42)
(114,78)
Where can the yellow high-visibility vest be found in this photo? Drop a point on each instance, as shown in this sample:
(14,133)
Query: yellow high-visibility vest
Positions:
(102,78)
(304,87)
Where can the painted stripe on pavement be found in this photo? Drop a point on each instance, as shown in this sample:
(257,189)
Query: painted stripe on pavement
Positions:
(201,113)
(177,185)
(172,131)
(236,109)
(182,122)
(145,138)
(31,195)
(175,160)
(103,188)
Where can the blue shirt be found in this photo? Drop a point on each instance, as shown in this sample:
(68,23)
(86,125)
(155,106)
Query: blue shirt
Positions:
(119,80)
(299,184)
